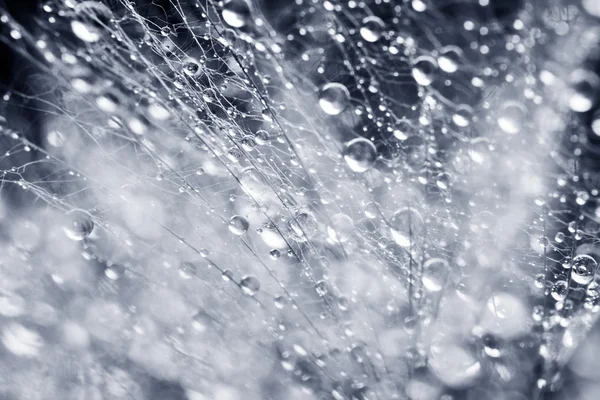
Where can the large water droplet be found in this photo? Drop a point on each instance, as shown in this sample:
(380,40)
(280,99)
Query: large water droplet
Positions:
(372,29)
(512,117)
(360,154)
(435,272)
(91,21)
(423,70)
(584,269)
(236,13)
(586,85)
(334,98)
(78,224)
(238,225)
(406,226)
(341,228)
(250,285)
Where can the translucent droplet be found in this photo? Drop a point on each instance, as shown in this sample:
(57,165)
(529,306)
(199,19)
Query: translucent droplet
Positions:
(21,341)
(559,290)
(236,13)
(592,7)
(360,154)
(201,321)
(250,285)
(341,228)
(187,270)
(91,21)
(462,116)
(334,98)
(586,85)
(512,117)
(406,226)
(583,269)
(449,59)
(435,273)
(423,70)
(372,29)
(275,254)
(191,67)
(78,224)
(238,225)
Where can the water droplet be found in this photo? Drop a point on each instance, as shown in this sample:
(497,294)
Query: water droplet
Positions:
(201,321)
(583,269)
(91,22)
(406,226)
(360,154)
(559,290)
(250,285)
(238,225)
(372,29)
(585,86)
(341,228)
(449,59)
(21,341)
(78,224)
(334,98)
(423,70)
(512,117)
(236,13)
(435,272)
(187,270)
(191,68)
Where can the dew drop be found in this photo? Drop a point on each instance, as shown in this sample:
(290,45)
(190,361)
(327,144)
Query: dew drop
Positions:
(583,269)
(559,290)
(372,29)
(78,224)
(250,285)
(360,154)
(238,225)
(512,117)
(406,225)
(435,272)
(423,70)
(341,228)
(586,85)
(236,13)
(334,98)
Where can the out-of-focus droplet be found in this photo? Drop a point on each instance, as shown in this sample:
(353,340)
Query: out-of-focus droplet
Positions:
(559,290)
(360,154)
(250,285)
(435,273)
(585,85)
(21,341)
(372,29)
(78,224)
(334,98)
(449,59)
(236,13)
(583,269)
(454,365)
(91,21)
(592,7)
(187,270)
(341,228)
(512,117)
(406,226)
(238,225)
(423,70)
(462,116)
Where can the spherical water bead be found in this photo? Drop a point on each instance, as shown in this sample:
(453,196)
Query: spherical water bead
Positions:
(595,125)
(454,365)
(191,68)
(21,341)
(238,225)
(491,346)
(584,269)
(201,321)
(511,118)
(372,29)
(360,154)
(406,225)
(334,98)
(78,224)
(304,226)
(559,290)
(423,70)
(187,270)
(250,285)
(371,210)
(435,273)
(592,7)
(449,59)
(505,316)
(91,21)
(462,116)
(341,228)
(236,13)
(586,85)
